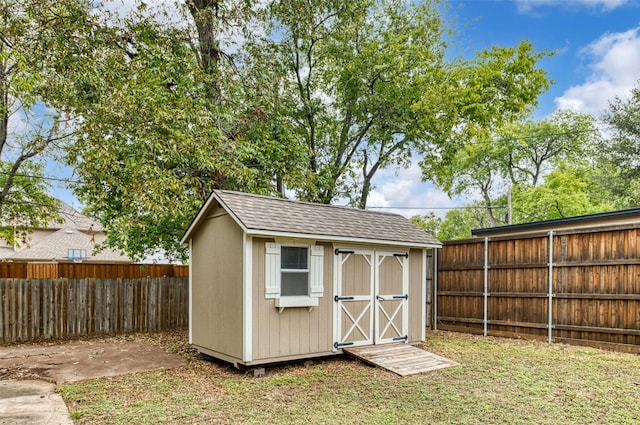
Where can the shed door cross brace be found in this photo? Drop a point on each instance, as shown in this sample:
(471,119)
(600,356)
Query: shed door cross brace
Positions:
(384,317)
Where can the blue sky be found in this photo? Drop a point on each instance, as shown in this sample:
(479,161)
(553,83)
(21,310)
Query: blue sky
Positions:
(571,28)
(598,58)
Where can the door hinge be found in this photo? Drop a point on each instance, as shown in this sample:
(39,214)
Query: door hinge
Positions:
(338,298)
(337,344)
(342,251)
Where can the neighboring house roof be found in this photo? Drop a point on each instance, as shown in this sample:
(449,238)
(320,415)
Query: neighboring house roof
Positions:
(74,219)
(56,245)
(268,216)
(76,231)
(584,221)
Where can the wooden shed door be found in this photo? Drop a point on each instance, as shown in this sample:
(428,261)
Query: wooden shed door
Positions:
(371,297)
(391,289)
(353,306)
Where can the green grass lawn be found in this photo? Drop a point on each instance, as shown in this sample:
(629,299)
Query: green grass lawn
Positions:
(501,381)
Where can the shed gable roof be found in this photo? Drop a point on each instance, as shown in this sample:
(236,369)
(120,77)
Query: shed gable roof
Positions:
(258,214)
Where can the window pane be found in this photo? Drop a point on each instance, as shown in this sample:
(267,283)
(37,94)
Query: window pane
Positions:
(294,283)
(293,257)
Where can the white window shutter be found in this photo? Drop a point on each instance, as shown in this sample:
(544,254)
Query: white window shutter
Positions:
(272,270)
(316,282)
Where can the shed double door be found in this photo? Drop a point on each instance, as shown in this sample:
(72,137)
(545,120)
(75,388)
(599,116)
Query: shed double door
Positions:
(371,297)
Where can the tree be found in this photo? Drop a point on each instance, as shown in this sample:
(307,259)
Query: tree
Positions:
(31,127)
(338,91)
(150,145)
(518,155)
(163,116)
(567,191)
(499,87)
(429,222)
(619,154)
(472,169)
(456,224)
(372,87)
(533,149)
(354,71)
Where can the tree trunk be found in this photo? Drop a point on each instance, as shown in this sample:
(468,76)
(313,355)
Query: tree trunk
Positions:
(4,102)
(366,184)
(492,219)
(205,14)
(280,185)
(364,194)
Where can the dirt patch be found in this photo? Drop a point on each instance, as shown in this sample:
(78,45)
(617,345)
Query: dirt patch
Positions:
(80,360)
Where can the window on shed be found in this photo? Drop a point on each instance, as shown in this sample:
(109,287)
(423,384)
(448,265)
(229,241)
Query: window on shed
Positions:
(294,266)
(293,271)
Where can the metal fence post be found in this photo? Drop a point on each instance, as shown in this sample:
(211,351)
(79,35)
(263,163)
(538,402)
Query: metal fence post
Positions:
(550,294)
(435,289)
(486,287)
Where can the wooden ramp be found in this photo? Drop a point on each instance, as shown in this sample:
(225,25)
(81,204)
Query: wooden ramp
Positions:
(400,358)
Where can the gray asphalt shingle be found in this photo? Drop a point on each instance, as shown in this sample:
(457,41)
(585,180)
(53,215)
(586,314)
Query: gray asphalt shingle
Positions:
(56,246)
(260,213)
(73,230)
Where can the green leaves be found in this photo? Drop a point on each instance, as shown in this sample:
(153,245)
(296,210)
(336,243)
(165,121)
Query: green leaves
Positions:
(617,156)
(548,165)
(567,191)
(316,98)
(358,79)
(162,121)
(332,93)
(30,126)
(24,202)
(148,149)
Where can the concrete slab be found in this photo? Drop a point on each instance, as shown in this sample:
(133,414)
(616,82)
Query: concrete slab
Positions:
(82,360)
(35,401)
(31,403)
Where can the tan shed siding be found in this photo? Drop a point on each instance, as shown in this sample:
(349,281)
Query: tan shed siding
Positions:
(415,295)
(295,331)
(217,285)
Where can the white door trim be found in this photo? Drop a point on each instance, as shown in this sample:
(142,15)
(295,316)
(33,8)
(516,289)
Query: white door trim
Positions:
(375,308)
(341,255)
(402,308)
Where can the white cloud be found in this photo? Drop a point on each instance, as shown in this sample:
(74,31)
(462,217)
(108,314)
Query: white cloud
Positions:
(404,190)
(615,69)
(175,13)
(169,12)
(528,5)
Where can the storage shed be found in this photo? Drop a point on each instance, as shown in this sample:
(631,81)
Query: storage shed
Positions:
(273,279)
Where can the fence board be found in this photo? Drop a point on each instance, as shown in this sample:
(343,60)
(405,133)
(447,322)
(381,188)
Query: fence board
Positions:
(34,309)
(596,286)
(42,270)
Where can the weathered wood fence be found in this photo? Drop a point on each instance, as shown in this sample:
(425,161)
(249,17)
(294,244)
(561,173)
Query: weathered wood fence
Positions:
(34,309)
(579,287)
(54,269)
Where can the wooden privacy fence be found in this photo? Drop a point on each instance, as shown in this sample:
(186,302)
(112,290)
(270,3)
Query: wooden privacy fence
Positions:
(35,270)
(575,286)
(34,309)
